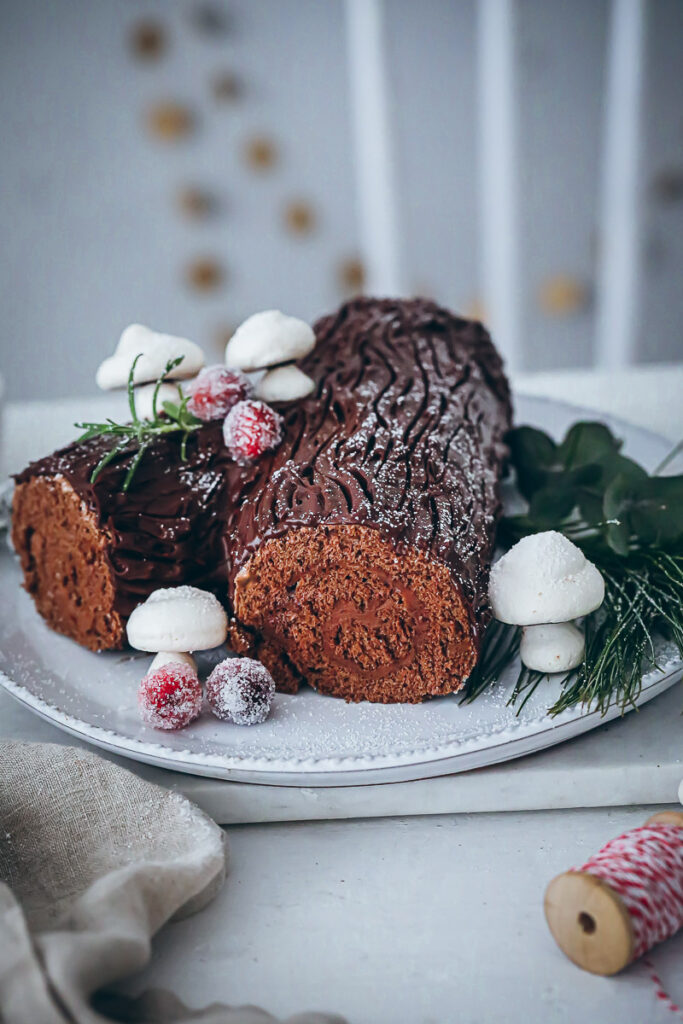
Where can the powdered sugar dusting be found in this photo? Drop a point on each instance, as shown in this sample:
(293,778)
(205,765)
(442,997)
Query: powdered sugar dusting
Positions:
(216,390)
(202,599)
(178,619)
(544,578)
(240,690)
(548,555)
(251,428)
(170,697)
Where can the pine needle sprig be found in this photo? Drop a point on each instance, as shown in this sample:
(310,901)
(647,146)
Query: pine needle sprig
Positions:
(641,603)
(138,435)
(526,684)
(630,525)
(500,647)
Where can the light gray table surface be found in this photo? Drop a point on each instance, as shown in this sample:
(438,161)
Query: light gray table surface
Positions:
(429,919)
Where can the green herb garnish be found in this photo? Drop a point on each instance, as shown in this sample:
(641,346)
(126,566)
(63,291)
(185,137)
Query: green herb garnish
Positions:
(139,434)
(626,521)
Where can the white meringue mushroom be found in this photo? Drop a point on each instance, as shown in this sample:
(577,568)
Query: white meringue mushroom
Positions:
(544,578)
(169,657)
(178,619)
(556,647)
(284,384)
(155,349)
(268,338)
(145,394)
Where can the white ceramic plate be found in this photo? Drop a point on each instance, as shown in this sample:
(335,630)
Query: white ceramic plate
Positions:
(308,740)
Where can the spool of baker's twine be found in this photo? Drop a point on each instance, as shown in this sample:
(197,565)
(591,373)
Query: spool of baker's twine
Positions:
(623,901)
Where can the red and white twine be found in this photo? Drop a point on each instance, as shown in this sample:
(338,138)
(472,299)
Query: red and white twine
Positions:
(661,994)
(645,868)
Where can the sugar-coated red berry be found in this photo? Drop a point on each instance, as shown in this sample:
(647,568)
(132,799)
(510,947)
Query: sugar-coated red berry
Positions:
(250,429)
(215,390)
(240,690)
(170,697)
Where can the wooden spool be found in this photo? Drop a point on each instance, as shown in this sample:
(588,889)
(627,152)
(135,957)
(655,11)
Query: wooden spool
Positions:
(589,920)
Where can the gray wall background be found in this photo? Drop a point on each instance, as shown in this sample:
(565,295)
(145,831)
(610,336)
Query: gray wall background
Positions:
(93,239)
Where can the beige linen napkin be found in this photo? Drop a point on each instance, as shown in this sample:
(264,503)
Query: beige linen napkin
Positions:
(93,861)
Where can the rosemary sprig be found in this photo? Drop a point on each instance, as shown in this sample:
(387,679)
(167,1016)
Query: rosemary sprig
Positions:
(138,435)
(630,525)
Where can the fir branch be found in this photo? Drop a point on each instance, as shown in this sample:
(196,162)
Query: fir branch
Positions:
(499,649)
(639,604)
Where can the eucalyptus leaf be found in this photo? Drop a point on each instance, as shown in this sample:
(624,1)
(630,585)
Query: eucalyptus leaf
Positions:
(616,508)
(648,508)
(618,536)
(587,442)
(620,465)
(589,503)
(561,493)
(585,485)
(656,514)
(533,452)
(552,505)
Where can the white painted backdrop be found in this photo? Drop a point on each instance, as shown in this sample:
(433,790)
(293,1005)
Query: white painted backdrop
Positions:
(491,153)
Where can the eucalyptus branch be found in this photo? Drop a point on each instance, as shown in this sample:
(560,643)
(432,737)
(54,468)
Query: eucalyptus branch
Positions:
(676,450)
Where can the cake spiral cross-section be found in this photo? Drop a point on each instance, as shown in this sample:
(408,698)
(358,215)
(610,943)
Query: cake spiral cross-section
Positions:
(354,557)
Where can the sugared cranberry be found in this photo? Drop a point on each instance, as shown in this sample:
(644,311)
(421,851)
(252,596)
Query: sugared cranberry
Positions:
(215,390)
(250,429)
(240,690)
(170,697)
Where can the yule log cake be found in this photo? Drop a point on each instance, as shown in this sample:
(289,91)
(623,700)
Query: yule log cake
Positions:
(355,556)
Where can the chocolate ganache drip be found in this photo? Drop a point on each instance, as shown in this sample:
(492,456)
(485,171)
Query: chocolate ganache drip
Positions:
(402,434)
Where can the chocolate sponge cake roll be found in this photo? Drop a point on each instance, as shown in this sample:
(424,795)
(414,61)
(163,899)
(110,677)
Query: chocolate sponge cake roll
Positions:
(365,545)
(355,556)
(91,553)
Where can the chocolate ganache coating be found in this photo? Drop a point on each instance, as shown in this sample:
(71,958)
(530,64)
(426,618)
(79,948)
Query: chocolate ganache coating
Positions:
(403,434)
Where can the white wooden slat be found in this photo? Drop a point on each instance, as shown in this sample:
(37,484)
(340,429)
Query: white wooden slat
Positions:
(617,314)
(498,175)
(374,167)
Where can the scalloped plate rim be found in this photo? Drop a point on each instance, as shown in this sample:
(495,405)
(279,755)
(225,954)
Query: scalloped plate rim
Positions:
(342,770)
